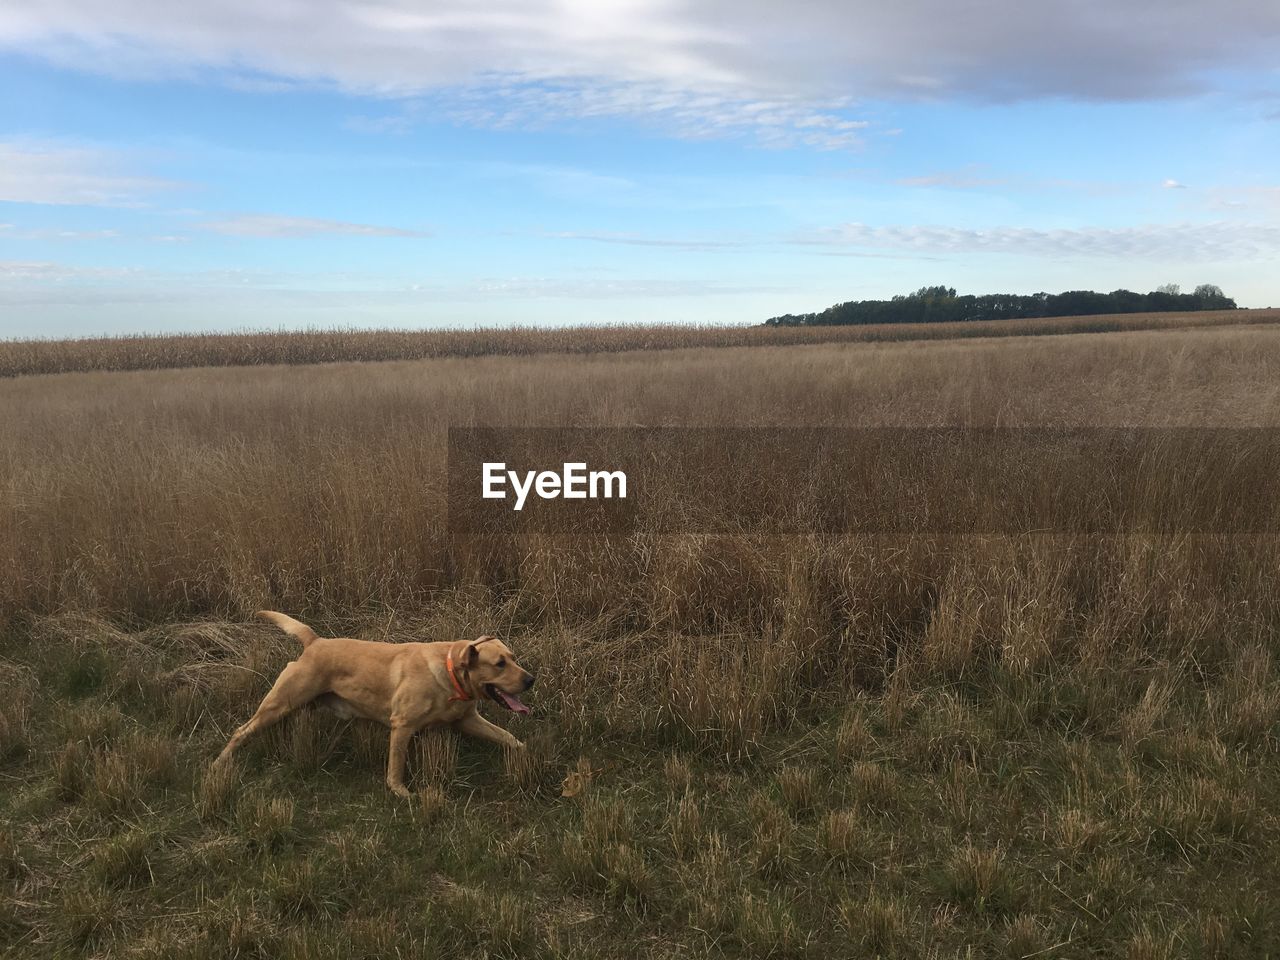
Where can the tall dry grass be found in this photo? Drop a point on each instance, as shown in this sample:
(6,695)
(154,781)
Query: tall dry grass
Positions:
(216,492)
(157,495)
(152,352)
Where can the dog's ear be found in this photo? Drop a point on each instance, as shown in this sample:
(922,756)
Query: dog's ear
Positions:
(471,655)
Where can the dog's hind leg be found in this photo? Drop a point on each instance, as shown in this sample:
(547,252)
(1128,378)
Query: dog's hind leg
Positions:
(297,685)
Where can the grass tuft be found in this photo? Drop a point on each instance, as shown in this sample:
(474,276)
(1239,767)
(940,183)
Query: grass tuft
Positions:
(437,755)
(89,917)
(875,785)
(529,768)
(15,718)
(800,789)
(773,852)
(1149,944)
(768,928)
(12,866)
(433,802)
(124,860)
(121,778)
(853,740)
(1025,936)
(840,836)
(500,922)
(687,824)
(677,772)
(980,880)
(267,823)
(216,790)
(879,923)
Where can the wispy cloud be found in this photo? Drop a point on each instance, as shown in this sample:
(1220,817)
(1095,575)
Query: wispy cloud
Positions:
(62,174)
(690,114)
(965,179)
(32,283)
(576,288)
(278,226)
(9,231)
(557,179)
(635,240)
(975,177)
(1171,184)
(1254,199)
(1177,242)
(51,272)
(867,255)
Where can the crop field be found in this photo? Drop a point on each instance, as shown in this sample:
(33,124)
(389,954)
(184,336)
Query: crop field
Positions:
(801,746)
(22,357)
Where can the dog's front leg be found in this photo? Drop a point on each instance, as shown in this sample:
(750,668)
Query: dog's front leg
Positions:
(478,726)
(396,758)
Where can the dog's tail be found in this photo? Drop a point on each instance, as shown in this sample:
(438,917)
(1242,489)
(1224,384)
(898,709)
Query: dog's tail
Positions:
(290,626)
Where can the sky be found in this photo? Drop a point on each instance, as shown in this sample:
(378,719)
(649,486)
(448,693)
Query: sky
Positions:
(240,164)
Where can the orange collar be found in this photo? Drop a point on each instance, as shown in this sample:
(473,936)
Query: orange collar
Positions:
(461,694)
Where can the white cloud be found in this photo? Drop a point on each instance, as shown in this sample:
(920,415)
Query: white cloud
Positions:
(691,114)
(44,272)
(277,226)
(1173,185)
(54,173)
(785,73)
(1255,199)
(966,179)
(1186,242)
(9,231)
(635,240)
(572,288)
(37,283)
(570,182)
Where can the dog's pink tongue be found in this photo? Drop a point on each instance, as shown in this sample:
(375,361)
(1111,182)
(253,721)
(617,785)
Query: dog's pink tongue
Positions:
(513,702)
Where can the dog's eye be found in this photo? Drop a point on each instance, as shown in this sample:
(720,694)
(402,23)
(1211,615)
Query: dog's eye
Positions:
(502,662)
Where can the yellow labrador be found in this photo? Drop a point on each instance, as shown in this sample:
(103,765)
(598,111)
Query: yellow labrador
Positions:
(406,686)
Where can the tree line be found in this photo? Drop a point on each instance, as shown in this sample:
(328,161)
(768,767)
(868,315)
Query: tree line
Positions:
(942,305)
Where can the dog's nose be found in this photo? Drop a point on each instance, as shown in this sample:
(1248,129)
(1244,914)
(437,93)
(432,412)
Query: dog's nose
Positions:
(528,681)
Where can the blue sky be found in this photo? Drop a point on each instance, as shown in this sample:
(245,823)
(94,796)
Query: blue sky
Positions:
(233,165)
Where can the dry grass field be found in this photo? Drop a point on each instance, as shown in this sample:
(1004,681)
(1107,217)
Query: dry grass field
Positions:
(25,357)
(804,746)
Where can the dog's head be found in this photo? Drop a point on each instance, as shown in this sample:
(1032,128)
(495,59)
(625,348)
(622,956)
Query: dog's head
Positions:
(494,671)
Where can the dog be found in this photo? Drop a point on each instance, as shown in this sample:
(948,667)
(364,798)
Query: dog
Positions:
(405,686)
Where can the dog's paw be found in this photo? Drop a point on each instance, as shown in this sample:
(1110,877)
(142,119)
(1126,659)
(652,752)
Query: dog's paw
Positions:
(399,789)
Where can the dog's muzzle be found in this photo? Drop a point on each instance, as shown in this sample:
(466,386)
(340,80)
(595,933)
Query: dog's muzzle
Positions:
(506,700)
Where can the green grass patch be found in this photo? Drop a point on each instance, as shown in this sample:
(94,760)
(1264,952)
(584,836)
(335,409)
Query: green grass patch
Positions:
(926,820)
